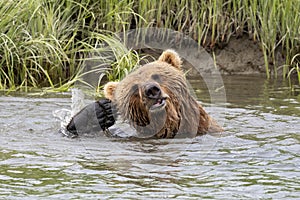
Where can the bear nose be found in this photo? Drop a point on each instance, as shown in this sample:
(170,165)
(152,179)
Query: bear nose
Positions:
(152,91)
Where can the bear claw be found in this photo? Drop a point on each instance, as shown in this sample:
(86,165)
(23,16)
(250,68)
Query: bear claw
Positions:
(94,117)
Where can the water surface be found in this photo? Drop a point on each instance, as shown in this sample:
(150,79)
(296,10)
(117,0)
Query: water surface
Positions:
(256,158)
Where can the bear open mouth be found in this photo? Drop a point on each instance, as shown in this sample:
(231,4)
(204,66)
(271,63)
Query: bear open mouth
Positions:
(159,104)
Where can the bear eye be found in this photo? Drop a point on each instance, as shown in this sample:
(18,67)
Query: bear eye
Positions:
(134,88)
(155,77)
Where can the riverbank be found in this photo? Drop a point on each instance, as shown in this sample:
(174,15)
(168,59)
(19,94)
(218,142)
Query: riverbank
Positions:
(45,43)
(241,56)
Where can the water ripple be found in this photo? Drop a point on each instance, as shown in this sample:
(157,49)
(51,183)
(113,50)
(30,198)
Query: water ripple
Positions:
(257,158)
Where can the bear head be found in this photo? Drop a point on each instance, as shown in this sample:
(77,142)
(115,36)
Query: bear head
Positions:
(155,98)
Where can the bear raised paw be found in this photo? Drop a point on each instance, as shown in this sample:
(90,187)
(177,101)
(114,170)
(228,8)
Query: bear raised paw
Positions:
(94,117)
(156,101)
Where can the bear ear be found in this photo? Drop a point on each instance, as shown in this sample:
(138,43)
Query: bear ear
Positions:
(170,56)
(109,89)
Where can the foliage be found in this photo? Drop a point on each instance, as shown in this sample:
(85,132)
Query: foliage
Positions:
(275,24)
(46,42)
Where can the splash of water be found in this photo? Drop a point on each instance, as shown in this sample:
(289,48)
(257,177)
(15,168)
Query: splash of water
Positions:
(65,115)
(77,101)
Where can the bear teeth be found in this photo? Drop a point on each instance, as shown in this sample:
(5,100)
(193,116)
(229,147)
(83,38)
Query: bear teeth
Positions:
(160,103)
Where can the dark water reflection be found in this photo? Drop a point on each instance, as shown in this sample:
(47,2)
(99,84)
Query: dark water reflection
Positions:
(272,96)
(256,158)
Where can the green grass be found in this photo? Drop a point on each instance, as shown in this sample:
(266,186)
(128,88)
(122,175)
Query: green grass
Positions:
(44,43)
(274,24)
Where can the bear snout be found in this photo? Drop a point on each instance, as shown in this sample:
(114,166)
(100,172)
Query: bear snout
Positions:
(152,91)
(154,97)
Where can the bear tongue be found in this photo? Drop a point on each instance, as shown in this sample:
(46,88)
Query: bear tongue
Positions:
(158,102)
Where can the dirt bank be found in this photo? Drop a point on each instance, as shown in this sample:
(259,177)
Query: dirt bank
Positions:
(239,56)
(243,56)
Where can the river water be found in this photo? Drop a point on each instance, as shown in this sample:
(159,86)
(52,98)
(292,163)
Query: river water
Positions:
(257,157)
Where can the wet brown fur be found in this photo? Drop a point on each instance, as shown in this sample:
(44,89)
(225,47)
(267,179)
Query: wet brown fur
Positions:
(183,116)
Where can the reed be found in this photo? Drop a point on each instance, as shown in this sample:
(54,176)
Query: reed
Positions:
(296,67)
(45,42)
(274,24)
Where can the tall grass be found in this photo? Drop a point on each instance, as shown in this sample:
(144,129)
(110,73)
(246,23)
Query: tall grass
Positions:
(45,42)
(275,24)
(34,43)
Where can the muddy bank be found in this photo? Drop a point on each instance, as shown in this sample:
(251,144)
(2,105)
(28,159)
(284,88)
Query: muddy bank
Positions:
(244,56)
(239,56)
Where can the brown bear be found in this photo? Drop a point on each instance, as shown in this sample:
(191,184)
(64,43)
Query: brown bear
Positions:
(156,101)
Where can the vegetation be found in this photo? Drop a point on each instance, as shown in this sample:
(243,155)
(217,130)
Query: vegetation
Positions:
(44,43)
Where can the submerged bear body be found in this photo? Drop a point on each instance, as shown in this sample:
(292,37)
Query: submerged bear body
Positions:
(156,101)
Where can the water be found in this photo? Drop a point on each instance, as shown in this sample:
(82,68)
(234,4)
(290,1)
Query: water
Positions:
(256,158)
